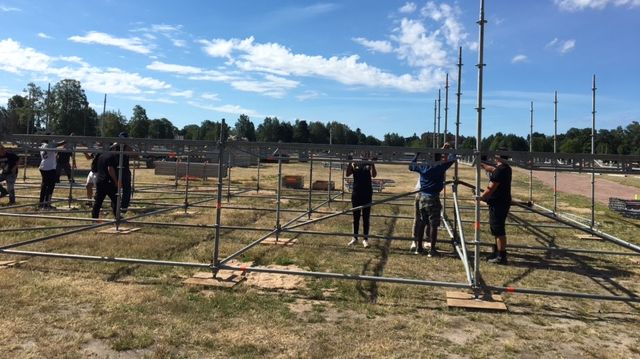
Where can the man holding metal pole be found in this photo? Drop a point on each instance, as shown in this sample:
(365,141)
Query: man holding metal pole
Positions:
(107,183)
(498,197)
(363,171)
(48,172)
(126,173)
(432,178)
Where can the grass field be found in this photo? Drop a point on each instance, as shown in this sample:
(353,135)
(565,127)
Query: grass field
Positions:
(66,308)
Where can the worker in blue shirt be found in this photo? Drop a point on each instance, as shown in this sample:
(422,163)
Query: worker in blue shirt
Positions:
(432,177)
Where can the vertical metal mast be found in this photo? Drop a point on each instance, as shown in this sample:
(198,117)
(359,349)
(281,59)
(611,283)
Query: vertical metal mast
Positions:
(455,140)
(555,151)
(479,108)
(593,152)
(216,240)
(438,134)
(446,109)
(531,157)
(435,116)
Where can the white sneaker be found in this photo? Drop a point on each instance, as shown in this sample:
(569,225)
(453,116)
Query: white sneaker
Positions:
(353,241)
(413,246)
(365,243)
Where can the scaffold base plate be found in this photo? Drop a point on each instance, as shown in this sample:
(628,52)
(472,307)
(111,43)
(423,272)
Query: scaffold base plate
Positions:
(223,279)
(121,230)
(280,242)
(588,237)
(467,301)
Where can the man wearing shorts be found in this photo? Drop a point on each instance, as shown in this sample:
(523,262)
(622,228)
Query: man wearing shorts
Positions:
(432,178)
(498,197)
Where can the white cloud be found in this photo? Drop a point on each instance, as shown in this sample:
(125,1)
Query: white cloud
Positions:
(42,35)
(417,47)
(451,28)
(567,46)
(228,109)
(519,58)
(151,99)
(14,58)
(218,47)
(5,95)
(375,45)
(5,8)
(561,46)
(408,8)
(576,5)
(179,69)
(273,86)
(308,95)
(185,94)
(210,96)
(133,44)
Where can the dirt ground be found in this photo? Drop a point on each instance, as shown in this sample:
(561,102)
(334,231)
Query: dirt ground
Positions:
(580,184)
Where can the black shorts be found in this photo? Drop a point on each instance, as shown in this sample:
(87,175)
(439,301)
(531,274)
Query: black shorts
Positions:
(497,218)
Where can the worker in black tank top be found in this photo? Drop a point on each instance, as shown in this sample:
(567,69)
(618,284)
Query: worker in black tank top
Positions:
(363,171)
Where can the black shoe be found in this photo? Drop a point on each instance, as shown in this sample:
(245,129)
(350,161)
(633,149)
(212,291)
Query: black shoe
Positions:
(11,203)
(433,253)
(3,193)
(500,258)
(418,251)
(494,253)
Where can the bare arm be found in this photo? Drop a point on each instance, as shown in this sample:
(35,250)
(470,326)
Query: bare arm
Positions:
(489,191)
(349,169)
(488,168)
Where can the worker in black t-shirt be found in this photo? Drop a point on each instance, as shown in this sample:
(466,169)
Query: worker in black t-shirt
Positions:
(498,197)
(64,162)
(9,173)
(106,182)
(363,171)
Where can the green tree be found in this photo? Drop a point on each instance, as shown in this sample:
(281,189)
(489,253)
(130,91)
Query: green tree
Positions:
(269,130)
(190,132)
(139,124)
(161,128)
(71,109)
(393,139)
(113,122)
(245,128)
(301,132)
(318,132)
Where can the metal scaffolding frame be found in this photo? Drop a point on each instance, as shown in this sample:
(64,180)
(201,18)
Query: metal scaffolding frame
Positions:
(191,150)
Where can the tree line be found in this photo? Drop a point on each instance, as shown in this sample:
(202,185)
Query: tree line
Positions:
(63,109)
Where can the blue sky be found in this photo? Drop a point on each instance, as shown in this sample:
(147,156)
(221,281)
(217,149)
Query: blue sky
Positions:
(374,65)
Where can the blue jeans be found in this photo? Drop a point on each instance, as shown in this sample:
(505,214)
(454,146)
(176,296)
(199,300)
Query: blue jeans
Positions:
(10,178)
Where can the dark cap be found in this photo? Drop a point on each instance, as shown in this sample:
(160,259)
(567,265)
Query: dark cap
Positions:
(123,135)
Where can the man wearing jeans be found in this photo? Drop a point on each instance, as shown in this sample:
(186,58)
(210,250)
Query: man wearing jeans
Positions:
(9,168)
(432,178)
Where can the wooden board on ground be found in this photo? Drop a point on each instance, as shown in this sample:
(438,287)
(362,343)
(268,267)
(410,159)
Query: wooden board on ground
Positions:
(280,242)
(224,278)
(121,230)
(588,237)
(9,264)
(467,301)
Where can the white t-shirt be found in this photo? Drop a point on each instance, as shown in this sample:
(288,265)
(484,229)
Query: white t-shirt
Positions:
(47,158)
(417,188)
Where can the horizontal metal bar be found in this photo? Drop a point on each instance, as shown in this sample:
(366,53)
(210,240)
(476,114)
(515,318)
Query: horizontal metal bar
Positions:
(341,276)
(104,258)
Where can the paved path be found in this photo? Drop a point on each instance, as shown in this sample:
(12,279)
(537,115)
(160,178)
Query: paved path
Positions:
(580,184)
